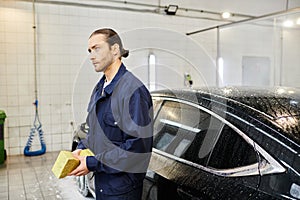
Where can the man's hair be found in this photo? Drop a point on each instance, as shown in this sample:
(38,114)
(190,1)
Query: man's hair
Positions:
(112,38)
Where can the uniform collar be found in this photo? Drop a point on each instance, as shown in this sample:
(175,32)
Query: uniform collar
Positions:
(109,88)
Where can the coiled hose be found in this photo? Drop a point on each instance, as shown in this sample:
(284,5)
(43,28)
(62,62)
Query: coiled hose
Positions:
(37,127)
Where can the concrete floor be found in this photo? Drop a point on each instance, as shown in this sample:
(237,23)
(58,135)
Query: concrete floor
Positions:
(29,178)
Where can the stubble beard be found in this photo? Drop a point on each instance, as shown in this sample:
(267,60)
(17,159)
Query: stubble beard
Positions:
(100,68)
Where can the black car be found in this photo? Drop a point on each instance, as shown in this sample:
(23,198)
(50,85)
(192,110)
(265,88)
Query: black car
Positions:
(225,143)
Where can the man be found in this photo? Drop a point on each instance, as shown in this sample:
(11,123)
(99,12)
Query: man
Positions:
(120,123)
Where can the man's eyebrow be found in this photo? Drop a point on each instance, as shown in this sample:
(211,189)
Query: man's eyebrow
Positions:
(90,49)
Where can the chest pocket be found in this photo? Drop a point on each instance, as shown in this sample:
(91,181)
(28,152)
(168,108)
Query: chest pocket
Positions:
(112,130)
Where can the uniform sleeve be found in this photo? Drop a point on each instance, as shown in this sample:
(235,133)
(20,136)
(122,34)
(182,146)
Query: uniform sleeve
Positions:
(81,145)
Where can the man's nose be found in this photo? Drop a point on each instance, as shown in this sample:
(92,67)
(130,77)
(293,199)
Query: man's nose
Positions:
(92,56)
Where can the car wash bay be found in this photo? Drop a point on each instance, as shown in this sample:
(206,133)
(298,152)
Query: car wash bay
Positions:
(43,56)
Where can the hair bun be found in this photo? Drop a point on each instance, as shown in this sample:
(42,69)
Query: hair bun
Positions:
(125,53)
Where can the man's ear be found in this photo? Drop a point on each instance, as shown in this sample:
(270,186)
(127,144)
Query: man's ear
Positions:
(115,49)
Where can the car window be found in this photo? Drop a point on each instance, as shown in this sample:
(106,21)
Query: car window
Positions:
(175,127)
(193,134)
(180,113)
(231,151)
(181,147)
(204,141)
(165,137)
(186,131)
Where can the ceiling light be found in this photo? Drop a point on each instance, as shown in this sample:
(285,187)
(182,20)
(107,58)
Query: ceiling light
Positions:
(288,23)
(298,21)
(171,9)
(226,15)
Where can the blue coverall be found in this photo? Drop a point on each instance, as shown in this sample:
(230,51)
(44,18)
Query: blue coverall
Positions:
(120,135)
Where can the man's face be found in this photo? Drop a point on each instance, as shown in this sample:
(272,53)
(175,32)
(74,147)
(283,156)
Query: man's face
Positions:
(101,54)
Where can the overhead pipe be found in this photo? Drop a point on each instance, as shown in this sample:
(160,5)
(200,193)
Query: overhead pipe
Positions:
(246,20)
(157,8)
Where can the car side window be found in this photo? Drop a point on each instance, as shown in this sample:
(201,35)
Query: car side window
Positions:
(193,134)
(204,141)
(175,127)
(231,151)
(186,131)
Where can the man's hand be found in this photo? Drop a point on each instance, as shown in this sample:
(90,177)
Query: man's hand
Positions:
(82,169)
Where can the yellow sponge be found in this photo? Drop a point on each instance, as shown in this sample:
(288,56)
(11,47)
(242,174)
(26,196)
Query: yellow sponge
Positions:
(66,163)
(86,152)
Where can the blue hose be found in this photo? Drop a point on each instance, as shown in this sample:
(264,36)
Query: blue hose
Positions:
(37,126)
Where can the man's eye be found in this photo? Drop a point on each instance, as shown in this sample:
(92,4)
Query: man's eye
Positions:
(94,49)
(97,49)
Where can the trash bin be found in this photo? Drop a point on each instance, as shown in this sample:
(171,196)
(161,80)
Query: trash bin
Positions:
(2,151)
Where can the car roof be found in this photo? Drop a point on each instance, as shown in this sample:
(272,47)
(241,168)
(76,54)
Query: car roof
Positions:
(278,105)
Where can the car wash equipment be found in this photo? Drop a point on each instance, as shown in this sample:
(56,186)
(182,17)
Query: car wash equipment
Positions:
(2,150)
(37,125)
(37,128)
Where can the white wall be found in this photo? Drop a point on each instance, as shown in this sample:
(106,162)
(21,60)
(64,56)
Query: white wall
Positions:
(291,58)
(62,33)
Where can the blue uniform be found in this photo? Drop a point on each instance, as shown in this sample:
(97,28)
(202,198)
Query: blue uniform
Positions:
(120,134)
